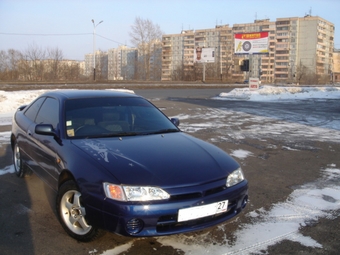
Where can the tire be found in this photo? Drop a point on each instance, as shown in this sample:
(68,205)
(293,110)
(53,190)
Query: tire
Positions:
(72,214)
(19,167)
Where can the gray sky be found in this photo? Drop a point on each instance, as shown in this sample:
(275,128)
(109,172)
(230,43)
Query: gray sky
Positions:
(66,24)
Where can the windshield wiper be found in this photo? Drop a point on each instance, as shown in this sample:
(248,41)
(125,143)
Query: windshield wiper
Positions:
(116,134)
(123,134)
(162,131)
(120,134)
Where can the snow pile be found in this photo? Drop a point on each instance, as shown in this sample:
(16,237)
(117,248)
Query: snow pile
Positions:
(10,101)
(270,93)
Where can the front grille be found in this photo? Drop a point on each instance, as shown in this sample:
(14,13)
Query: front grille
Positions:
(198,194)
(187,196)
(215,190)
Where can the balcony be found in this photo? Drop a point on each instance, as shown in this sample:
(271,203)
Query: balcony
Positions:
(281,71)
(321,60)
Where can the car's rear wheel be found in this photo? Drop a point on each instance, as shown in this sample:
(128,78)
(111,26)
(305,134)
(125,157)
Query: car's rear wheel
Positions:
(19,167)
(72,213)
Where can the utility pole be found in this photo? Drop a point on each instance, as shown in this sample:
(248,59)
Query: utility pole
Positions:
(94,48)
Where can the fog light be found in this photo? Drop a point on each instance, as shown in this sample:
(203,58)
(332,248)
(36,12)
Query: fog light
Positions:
(244,202)
(134,226)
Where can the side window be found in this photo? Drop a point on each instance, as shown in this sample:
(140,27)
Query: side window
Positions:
(32,111)
(49,113)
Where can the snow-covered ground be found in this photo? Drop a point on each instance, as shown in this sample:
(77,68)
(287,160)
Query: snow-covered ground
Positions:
(275,93)
(306,203)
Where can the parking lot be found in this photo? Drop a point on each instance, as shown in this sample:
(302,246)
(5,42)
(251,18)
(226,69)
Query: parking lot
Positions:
(288,159)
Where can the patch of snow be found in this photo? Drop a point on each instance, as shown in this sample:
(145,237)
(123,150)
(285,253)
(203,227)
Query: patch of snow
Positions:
(242,154)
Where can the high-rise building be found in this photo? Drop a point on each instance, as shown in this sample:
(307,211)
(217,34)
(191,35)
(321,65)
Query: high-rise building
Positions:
(177,55)
(300,50)
(100,62)
(304,49)
(155,61)
(336,67)
(122,63)
(260,65)
(179,49)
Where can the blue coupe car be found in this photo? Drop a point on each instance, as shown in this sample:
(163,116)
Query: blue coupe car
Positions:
(118,163)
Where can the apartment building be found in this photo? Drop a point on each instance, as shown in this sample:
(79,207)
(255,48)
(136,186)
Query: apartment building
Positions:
(299,50)
(125,63)
(155,61)
(179,49)
(304,49)
(336,67)
(149,64)
(177,54)
(221,40)
(122,63)
(260,65)
(100,62)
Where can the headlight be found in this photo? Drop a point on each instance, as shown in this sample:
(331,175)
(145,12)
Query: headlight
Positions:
(235,177)
(134,193)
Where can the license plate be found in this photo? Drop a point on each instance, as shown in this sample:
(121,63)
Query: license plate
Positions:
(202,211)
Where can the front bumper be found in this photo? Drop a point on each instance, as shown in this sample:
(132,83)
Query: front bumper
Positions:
(159,218)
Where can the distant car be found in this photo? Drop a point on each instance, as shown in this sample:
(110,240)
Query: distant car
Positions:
(118,163)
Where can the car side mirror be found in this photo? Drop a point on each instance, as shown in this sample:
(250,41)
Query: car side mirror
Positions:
(47,129)
(175,121)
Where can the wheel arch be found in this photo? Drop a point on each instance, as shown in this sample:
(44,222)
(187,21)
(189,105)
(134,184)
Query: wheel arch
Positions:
(13,139)
(65,176)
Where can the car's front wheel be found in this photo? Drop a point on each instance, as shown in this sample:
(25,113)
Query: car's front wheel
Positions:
(72,213)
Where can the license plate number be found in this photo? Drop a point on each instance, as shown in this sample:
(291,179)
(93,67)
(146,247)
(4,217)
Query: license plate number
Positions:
(202,211)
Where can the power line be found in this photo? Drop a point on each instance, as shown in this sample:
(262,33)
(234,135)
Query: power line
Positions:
(113,40)
(24,34)
(44,34)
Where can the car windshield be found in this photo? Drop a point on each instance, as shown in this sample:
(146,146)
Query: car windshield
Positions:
(114,116)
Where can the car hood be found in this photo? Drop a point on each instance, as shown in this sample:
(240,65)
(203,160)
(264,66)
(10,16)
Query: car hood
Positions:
(168,160)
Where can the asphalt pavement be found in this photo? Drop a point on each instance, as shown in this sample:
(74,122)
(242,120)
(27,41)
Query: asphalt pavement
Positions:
(28,219)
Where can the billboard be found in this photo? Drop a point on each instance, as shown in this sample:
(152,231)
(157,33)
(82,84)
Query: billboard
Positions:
(246,43)
(202,55)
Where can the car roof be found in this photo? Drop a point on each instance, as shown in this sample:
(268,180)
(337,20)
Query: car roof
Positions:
(75,93)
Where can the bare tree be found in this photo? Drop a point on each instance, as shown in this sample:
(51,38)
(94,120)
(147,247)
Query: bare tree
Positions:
(3,57)
(9,64)
(69,71)
(144,35)
(32,65)
(177,74)
(35,55)
(55,57)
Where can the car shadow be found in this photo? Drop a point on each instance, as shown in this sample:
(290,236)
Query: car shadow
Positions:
(15,208)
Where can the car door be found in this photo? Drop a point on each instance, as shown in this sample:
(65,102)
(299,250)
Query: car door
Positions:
(26,123)
(44,148)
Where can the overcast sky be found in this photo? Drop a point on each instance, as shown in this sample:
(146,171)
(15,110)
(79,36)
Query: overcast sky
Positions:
(66,24)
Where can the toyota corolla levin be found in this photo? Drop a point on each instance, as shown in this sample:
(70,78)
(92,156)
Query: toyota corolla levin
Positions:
(118,163)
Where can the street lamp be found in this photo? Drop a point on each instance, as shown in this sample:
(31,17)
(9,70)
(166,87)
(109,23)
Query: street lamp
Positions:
(94,48)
